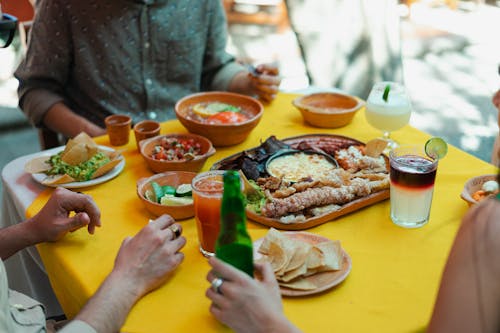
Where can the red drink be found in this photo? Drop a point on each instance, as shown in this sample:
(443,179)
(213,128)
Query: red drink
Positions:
(207,195)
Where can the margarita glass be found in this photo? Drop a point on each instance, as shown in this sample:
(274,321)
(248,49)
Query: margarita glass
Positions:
(388,108)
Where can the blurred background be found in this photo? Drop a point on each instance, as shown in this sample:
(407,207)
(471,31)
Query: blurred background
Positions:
(446,52)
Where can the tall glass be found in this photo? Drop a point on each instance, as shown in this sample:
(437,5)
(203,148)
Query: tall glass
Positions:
(207,195)
(412,184)
(388,114)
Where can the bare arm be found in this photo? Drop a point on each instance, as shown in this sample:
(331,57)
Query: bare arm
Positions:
(143,263)
(469,295)
(52,222)
(62,119)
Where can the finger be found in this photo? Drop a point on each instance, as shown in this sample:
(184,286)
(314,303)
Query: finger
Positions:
(77,221)
(215,297)
(176,230)
(268,69)
(227,271)
(266,80)
(82,203)
(175,245)
(266,271)
(163,222)
(211,275)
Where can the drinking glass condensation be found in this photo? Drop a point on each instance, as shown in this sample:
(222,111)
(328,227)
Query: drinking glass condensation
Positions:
(412,184)
(207,195)
(391,114)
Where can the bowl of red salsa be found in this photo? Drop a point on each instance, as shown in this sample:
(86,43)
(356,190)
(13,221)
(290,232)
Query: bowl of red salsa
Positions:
(185,152)
(224,118)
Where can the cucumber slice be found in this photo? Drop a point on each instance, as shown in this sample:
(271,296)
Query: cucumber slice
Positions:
(167,189)
(184,190)
(170,200)
(157,191)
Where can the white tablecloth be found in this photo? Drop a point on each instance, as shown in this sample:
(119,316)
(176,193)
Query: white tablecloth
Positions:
(25,269)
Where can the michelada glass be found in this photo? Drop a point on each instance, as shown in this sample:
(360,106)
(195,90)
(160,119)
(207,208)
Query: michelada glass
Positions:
(412,184)
(388,108)
(207,196)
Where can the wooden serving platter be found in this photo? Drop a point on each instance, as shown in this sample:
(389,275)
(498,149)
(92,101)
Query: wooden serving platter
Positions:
(328,143)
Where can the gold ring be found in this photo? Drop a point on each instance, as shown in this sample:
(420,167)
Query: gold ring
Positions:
(176,230)
(216,284)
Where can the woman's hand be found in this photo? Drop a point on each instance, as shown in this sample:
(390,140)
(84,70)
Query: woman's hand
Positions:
(246,304)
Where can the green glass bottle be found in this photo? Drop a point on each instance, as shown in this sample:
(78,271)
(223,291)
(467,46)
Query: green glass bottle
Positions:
(234,245)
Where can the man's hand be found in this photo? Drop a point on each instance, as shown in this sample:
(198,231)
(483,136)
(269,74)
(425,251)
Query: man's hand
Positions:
(263,81)
(145,261)
(53,221)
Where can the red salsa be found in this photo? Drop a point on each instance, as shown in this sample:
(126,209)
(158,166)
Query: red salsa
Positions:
(176,149)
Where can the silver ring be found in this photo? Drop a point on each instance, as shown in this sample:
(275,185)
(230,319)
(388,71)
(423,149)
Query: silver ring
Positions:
(216,284)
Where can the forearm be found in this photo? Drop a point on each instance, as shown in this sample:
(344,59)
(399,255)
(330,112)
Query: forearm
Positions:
(15,238)
(107,310)
(282,325)
(62,119)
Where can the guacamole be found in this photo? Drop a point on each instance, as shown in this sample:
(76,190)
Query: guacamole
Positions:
(80,172)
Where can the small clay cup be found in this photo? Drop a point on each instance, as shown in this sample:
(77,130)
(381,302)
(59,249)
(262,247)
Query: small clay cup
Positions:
(146,129)
(118,127)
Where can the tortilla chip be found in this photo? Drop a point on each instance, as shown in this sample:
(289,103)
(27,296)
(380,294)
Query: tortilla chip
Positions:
(37,165)
(58,179)
(103,169)
(299,256)
(79,153)
(332,253)
(277,256)
(294,273)
(299,284)
(272,236)
(375,147)
(314,259)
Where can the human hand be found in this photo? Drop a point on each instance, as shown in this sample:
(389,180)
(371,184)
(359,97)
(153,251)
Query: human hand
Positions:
(265,81)
(53,221)
(144,261)
(246,304)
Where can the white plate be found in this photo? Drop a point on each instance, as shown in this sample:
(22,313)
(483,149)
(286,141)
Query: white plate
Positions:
(40,177)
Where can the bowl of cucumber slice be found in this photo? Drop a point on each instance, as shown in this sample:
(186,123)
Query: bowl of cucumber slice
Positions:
(168,193)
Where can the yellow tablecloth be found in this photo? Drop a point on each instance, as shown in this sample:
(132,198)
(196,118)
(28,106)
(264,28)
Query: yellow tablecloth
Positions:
(395,271)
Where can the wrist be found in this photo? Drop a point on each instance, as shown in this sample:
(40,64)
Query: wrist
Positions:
(124,284)
(278,324)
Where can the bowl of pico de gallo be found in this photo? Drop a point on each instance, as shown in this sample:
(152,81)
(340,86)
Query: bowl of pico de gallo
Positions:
(184,152)
(224,118)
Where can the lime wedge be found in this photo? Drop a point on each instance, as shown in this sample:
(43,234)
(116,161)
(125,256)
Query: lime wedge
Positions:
(436,148)
(386,92)
(170,200)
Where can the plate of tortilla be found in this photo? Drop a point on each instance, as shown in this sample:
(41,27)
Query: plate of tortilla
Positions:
(80,163)
(303,263)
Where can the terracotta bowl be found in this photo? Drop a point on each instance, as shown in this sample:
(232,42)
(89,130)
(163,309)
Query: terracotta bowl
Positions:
(328,109)
(220,134)
(172,178)
(194,165)
(473,185)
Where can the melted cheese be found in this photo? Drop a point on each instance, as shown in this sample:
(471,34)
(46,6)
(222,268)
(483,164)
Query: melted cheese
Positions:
(294,167)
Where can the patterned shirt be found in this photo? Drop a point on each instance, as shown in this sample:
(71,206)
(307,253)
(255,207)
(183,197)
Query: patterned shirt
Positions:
(135,57)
